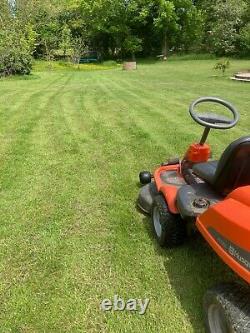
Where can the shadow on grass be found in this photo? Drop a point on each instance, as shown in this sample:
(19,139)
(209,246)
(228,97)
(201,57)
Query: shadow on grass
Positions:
(148,61)
(29,77)
(191,269)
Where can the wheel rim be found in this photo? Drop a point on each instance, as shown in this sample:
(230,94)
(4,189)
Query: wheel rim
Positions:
(217,319)
(157,223)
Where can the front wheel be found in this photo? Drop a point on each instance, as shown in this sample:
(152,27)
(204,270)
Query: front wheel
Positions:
(227,309)
(169,229)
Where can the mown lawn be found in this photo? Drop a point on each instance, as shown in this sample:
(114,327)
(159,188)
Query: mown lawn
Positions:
(71,147)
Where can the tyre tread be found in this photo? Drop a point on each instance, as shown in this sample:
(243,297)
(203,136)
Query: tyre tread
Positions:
(173,226)
(235,300)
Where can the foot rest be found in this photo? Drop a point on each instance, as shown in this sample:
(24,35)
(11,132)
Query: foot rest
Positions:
(193,200)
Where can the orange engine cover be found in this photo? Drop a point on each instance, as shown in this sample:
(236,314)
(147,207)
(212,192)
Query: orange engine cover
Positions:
(198,153)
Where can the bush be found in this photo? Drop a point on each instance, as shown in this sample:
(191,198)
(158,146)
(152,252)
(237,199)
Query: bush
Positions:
(245,40)
(16,49)
(228,20)
(222,65)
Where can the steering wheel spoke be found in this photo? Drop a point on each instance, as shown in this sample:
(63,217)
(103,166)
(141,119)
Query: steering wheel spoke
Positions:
(214,118)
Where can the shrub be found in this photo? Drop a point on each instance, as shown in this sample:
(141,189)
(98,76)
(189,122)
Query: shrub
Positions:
(222,65)
(228,19)
(16,49)
(245,40)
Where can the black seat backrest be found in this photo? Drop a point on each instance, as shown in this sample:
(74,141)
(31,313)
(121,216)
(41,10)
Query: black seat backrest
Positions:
(233,169)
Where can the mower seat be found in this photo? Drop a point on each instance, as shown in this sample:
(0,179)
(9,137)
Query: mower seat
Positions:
(231,171)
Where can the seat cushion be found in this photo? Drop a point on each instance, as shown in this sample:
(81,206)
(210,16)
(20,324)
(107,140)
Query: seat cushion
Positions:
(193,200)
(206,171)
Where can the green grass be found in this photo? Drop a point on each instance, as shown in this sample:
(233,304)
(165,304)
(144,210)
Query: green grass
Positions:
(54,66)
(71,146)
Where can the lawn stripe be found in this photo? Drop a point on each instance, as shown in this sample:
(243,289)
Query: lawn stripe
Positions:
(70,234)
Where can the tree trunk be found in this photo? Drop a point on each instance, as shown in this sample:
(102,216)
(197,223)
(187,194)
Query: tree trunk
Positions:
(165,46)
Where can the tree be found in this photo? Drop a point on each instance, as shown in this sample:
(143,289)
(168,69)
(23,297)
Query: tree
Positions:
(124,28)
(48,38)
(245,40)
(110,26)
(78,45)
(166,24)
(17,40)
(16,48)
(65,42)
(132,45)
(228,21)
(191,25)
(179,23)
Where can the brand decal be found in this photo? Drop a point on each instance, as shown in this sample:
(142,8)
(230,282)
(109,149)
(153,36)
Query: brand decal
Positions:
(240,255)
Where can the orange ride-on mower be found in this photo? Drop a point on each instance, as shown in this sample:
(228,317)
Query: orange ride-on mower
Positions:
(213,197)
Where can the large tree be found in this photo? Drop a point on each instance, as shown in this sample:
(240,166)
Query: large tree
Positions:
(166,24)
(179,23)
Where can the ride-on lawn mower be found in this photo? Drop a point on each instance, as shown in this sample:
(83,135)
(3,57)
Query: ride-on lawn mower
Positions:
(212,197)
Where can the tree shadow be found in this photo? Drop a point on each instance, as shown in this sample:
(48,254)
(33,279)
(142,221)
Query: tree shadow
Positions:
(29,77)
(148,61)
(191,269)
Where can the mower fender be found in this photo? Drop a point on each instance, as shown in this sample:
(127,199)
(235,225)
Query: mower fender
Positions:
(169,191)
(226,227)
(146,197)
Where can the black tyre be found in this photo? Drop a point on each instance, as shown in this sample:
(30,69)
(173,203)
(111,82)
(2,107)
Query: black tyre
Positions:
(169,229)
(227,309)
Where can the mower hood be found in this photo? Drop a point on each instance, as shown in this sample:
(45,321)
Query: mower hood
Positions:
(226,227)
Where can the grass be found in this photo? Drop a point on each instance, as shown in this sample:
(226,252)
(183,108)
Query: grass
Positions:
(72,144)
(44,66)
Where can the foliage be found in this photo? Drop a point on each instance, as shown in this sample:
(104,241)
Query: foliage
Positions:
(228,20)
(191,21)
(118,29)
(65,42)
(245,39)
(48,38)
(78,46)
(222,65)
(16,48)
(166,23)
(132,44)
(180,24)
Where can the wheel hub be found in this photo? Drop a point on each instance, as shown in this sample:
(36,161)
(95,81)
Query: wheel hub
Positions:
(201,203)
(217,320)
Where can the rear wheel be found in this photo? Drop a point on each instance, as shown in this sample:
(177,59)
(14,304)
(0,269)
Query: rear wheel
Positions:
(227,309)
(169,229)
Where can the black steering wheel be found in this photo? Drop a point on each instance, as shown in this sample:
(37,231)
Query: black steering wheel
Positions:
(211,120)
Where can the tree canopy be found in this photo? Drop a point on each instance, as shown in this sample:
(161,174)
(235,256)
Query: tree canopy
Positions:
(124,28)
